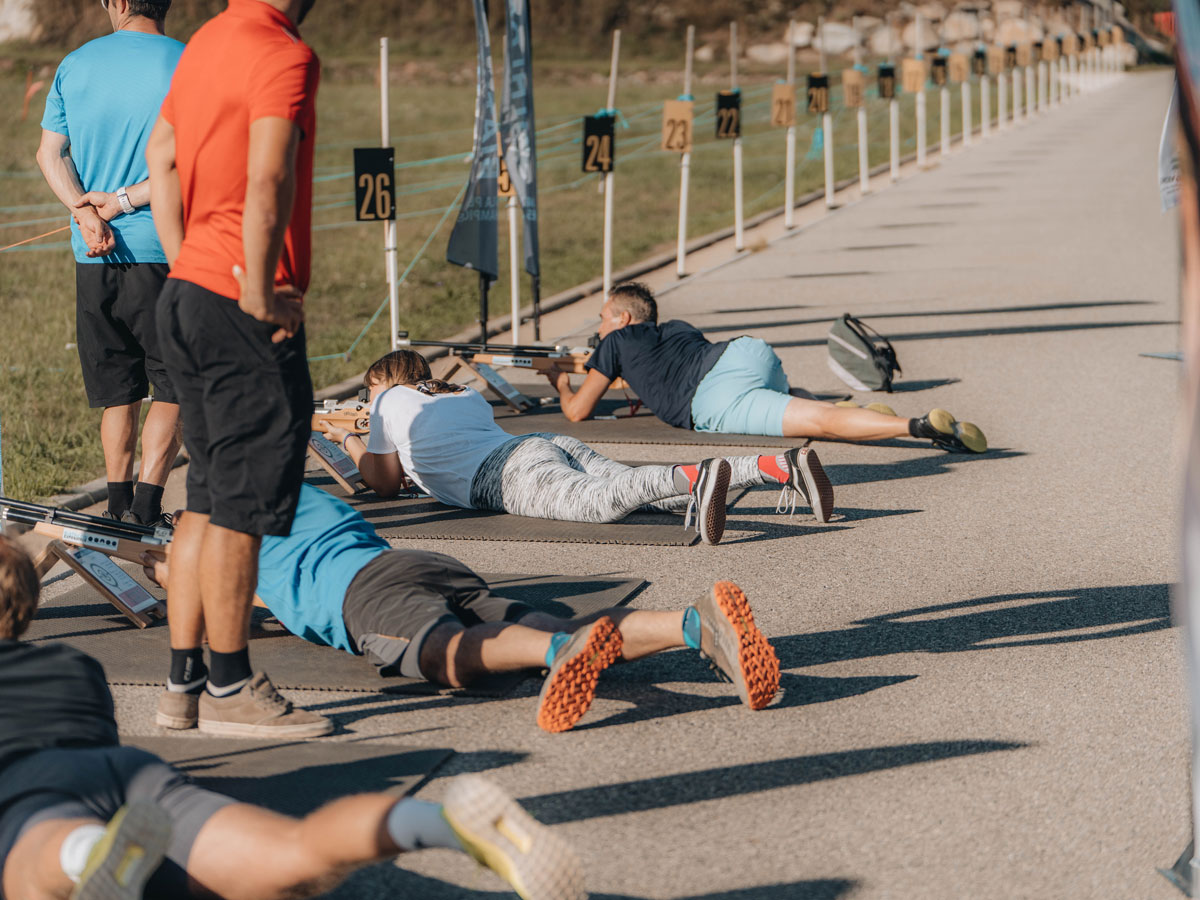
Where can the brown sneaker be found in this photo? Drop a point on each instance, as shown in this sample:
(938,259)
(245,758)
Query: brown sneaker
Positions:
(258,710)
(177,710)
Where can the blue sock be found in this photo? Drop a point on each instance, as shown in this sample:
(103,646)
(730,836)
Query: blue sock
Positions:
(556,642)
(691,627)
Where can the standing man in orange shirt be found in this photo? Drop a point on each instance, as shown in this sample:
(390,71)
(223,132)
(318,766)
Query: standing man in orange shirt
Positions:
(230,162)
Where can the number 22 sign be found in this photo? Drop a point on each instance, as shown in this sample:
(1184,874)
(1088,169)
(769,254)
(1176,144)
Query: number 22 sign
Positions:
(374,184)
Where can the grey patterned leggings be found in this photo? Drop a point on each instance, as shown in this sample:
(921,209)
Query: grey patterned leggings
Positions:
(552,476)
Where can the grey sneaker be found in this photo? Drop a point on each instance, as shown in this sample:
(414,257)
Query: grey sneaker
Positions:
(498,834)
(177,710)
(708,498)
(729,637)
(258,710)
(122,861)
(807,481)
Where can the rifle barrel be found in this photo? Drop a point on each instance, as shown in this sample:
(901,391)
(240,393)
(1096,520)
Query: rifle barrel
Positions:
(498,349)
(32,513)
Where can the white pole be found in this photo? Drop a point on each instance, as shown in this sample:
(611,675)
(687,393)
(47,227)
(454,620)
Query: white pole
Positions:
(685,164)
(893,110)
(945,116)
(985,105)
(864,165)
(1001,102)
(1030,91)
(1016,95)
(789,168)
(1044,73)
(608,176)
(739,237)
(514,267)
(921,137)
(826,121)
(389,227)
(966,111)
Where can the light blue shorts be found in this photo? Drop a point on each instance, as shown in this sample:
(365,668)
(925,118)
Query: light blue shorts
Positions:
(746,391)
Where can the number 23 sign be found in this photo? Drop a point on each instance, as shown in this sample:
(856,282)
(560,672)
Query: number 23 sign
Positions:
(374,184)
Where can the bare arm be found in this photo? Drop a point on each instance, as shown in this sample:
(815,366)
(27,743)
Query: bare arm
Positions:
(270,193)
(108,204)
(165,195)
(54,159)
(382,472)
(579,405)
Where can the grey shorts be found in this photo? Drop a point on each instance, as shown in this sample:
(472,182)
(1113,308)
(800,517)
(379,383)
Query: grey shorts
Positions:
(93,783)
(400,596)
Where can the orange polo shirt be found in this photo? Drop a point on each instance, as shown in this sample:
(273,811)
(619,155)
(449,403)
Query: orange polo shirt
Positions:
(247,63)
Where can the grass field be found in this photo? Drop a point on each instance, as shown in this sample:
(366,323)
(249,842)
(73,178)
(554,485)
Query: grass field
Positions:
(49,436)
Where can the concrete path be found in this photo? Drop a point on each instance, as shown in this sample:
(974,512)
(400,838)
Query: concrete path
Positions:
(982,692)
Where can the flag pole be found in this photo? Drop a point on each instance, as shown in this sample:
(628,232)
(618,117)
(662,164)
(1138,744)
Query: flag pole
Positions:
(685,165)
(739,238)
(389,226)
(608,176)
(789,169)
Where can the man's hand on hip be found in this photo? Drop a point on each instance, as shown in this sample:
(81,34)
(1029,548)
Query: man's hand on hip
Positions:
(280,307)
(107,206)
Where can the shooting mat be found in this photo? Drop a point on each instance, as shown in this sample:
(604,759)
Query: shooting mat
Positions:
(82,618)
(268,773)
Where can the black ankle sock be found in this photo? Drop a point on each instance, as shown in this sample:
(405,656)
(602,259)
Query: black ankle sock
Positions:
(147,502)
(915,429)
(229,668)
(120,495)
(187,666)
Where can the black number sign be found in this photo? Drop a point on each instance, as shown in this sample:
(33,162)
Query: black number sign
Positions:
(1037,52)
(1059,41)
(729,114)
(887,81)
(939,71)
(818,94)
(599,143)
(1010,56)
(979,62)
(374,184)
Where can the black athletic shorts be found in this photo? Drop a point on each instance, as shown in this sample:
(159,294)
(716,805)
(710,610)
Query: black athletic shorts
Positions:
(246,406)
(400,596)
(114,328)
(95,782)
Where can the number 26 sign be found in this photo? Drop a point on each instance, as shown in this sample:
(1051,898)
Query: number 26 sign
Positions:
(374,184)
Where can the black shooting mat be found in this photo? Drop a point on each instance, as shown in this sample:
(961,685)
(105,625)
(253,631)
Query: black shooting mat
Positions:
(82,618)
(268,773)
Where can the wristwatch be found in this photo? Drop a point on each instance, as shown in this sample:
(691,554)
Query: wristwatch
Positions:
(123,199)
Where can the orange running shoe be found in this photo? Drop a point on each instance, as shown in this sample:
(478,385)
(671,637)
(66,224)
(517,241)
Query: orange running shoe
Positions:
(729,637)
(570,685)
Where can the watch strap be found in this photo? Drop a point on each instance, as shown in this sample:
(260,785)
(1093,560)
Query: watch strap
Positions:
(123,198)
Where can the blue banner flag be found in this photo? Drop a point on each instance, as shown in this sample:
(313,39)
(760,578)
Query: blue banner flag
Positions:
(518,142)
(473,242)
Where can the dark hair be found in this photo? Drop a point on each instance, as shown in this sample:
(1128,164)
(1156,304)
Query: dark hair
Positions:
(407,367)
(637,299)
(19,589)
(151,9)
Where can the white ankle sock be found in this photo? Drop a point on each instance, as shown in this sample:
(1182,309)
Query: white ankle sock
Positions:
(415,825)
(73,854)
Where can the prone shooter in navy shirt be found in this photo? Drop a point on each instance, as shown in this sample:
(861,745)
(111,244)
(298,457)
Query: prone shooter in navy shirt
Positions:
(735,387)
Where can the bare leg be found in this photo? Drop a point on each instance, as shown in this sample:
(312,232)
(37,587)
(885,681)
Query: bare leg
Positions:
(185,609)
(228,574)
(32,870)
(161,438)
(118,436)
(643,631)
(457,656)
(247,853)
(818,419)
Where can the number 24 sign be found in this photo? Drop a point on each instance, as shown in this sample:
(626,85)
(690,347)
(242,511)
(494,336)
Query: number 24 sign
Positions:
(374,184)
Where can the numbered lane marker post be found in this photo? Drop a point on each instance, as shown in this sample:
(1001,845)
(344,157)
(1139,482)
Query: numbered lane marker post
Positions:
(739,236)
(1049,67)
(1042,51)
(996,57)
(783,114)
(886,81)
(960,71)
(677,129)
(1025,57)
(818,102)
(1014,60)
(389,225)
(505,191)
(854,95)
(915,77)
(599,155)
(979,67)
(941,78)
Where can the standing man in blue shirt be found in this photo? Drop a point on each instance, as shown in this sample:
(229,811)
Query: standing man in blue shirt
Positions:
(100,110)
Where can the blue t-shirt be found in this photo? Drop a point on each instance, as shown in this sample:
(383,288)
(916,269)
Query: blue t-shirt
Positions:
(664,364)
(105,99)
(302,578)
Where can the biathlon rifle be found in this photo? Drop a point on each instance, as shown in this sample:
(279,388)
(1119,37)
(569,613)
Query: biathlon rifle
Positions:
(112,537)
(519,356)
